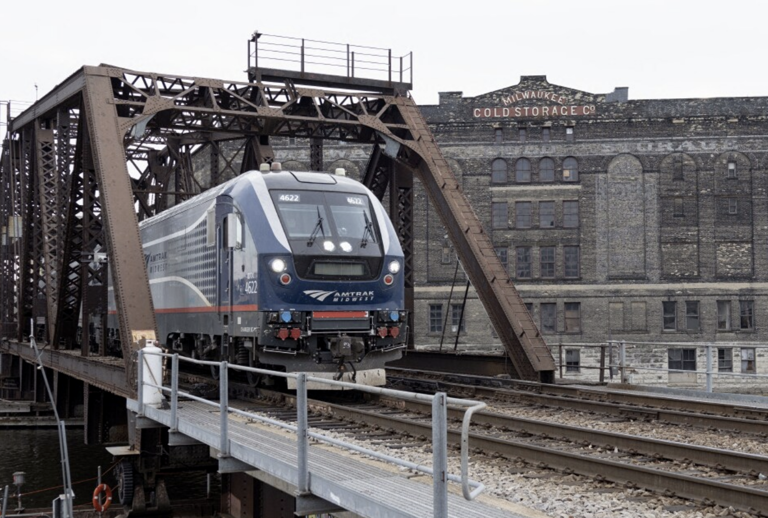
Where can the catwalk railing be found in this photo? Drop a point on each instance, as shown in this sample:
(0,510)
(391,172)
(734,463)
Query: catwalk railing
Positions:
(151,391)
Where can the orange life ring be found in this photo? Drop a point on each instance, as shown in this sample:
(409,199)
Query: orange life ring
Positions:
(97,498)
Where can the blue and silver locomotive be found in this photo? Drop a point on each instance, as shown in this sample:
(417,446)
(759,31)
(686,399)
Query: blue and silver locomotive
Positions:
(294,271)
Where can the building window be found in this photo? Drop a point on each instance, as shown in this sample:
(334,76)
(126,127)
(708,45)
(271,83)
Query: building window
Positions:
(669,309)
(291,141)
(724,360)
(748,360)
(523,214)
(571,266)
(572,360)
(682,359)
(733,206)
(731,169)
(499,135)
(435,318)
(546,214)
(457,319)
(547,170)
(522,134)
(502,254)
(445,256)
(723,315)
(569,133)
(573,317)
(523,170)
(499,215)
(548,317)
(570,170)
(571,214)
(529,307)
(692,315)
(747,314)
(678,211)
(547,262)
(678,168)
(523,262)
(499,171)
(546,134)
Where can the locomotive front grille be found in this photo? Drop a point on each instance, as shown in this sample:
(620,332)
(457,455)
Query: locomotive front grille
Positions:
(333,321)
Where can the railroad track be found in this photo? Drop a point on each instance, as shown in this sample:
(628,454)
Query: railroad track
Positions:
(712,415)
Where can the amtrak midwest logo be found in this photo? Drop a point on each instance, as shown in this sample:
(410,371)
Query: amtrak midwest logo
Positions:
(340,296)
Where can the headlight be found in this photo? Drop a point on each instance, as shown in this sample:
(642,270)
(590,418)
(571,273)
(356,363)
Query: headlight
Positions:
(394,266)
(345,246)
(328,246)
(277,265)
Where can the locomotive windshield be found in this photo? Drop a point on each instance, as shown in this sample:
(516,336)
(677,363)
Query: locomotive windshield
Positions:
(333,235)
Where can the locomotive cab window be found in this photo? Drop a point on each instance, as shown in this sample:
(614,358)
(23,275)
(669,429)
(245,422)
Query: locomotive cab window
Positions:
(233,231)
(333,235)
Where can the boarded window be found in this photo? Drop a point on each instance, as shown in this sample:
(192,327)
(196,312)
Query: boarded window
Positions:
(638,316)
(747,314)
(499,215)
(547,170)
(748,365)
(570,170)
(572,317)
(548,317)
(499,171)
(616,315)
(523,170)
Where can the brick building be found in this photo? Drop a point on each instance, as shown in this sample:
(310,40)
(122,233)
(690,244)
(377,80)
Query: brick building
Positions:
(642,220)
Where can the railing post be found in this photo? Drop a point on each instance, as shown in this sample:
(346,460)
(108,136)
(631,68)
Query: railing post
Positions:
(302,435)
(224,409)
(440,455)
(302,55)
(601,376)
(709,367)
(622,360)
(353,64)
(140,381)
(389,64)
(174,391)
(560,358)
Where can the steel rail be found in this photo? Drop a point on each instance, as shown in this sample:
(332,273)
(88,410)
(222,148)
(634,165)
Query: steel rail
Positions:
(715,422)
(672,484)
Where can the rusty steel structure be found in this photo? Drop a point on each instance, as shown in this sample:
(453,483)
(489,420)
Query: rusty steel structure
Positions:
(109,147)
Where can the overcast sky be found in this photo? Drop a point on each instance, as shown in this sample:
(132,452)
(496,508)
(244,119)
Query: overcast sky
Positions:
(657,48)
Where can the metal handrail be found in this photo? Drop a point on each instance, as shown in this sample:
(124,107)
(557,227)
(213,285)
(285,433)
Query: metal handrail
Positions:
(470,488)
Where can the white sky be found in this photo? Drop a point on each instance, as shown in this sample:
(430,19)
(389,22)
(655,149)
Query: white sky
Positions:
(659,49)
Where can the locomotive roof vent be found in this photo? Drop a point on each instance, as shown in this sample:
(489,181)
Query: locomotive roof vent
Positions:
(264,168)
(340,171)
(276,166)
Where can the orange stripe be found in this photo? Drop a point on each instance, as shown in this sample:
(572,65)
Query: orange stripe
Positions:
(340,314)
(205,309)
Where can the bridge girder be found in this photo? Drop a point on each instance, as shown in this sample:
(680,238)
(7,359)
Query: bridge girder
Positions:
(154,122)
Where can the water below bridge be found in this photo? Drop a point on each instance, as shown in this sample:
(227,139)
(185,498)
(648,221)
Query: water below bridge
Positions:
(35,451)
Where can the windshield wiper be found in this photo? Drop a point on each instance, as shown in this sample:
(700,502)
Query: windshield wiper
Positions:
(368,231)
(318,228)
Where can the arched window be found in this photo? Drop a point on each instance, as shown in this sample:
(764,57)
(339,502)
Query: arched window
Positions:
(547,170)
(499,171)
(523,170)
(570,170)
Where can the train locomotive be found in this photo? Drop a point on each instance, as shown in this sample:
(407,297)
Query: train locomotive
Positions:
(286,270)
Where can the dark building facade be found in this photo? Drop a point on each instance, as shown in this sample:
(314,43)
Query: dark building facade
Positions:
(637,220)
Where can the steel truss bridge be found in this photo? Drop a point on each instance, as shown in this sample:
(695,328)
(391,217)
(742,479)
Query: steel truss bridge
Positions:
(109,147)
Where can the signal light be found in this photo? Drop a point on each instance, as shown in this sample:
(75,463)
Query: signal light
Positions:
(388,279)
(285,279)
